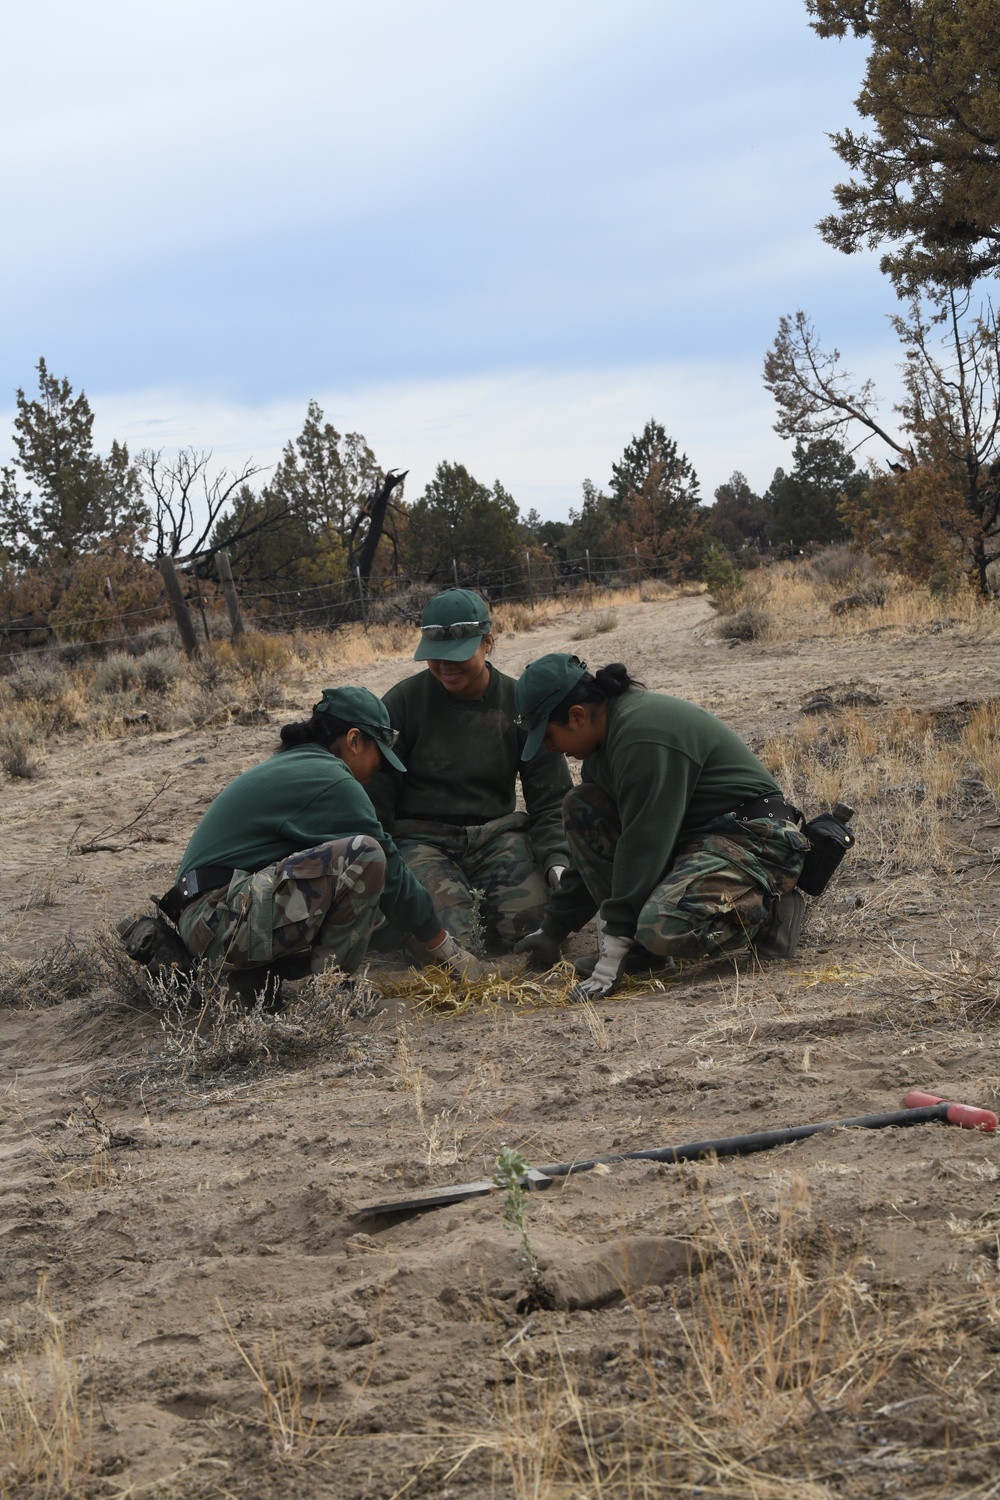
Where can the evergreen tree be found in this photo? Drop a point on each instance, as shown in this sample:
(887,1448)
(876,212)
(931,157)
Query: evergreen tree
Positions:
(459,519)
(927,175)
(588,526)
(77,499)
(654,504)
(739,518)
(807,502)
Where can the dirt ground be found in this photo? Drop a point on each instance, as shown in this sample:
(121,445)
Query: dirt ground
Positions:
(818,1320)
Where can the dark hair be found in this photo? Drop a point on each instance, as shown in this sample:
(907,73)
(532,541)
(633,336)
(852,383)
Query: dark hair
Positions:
(597,687)
(321,729)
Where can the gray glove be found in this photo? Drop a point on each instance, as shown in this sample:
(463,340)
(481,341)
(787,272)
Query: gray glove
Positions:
(612,953)
(554,875)
(462,963)
(541,951)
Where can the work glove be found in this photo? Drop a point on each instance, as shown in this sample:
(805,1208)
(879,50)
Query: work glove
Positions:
(541,951)
(451,955)
(612,953)
(554,875)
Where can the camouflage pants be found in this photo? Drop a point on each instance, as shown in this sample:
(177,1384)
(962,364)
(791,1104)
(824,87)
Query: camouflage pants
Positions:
(495,858)
(321,902)
(720,889)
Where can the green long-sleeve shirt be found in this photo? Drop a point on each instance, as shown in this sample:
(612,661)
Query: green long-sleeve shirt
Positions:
(296,800)
(463,758)
(671,767)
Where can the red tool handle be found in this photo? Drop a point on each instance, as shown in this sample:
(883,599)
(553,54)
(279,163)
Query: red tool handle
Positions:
(966,1115)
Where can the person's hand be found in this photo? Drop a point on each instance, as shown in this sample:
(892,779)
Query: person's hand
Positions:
(463,964)
(607,971)
(554,875)
(541,951)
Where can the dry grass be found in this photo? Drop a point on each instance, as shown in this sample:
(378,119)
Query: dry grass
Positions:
(437,991)
(787,1375)
(797,600)
(907,772)
(290,1425)
(45,1425)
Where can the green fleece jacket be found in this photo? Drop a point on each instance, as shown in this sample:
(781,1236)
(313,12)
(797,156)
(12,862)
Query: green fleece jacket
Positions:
(671,768)
(463,758)
(296,800)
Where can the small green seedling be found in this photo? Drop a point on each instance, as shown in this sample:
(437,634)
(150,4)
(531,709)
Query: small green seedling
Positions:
(477,922)
(511,1167)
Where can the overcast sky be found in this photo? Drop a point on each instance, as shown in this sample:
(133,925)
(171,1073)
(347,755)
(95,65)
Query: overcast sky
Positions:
(499,235)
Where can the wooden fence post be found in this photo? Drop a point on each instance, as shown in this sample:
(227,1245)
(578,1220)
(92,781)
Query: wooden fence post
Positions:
(230,595)
(179,605)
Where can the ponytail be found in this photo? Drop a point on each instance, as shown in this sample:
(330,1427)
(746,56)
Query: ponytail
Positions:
(607,682)
(320,729)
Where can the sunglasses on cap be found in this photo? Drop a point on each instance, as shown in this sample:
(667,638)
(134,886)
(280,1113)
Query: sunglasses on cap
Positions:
(382,734)
(462,630)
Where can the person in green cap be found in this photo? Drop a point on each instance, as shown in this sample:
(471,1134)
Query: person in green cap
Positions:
(289,871)
(454,813)
(680,841)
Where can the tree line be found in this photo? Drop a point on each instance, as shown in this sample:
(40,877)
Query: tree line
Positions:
(77,526)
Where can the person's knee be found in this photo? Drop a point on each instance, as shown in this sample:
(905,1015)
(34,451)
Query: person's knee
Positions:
(581,804)
(368,854)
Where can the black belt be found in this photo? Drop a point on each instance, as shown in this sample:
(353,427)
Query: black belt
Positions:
(193,884)
(453,820)
(771,806)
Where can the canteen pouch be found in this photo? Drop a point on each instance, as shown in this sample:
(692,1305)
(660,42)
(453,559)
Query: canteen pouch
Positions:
(829,840)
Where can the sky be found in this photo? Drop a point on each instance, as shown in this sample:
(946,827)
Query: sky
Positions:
(503,236)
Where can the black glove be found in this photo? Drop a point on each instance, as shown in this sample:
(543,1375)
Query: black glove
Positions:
(541,951)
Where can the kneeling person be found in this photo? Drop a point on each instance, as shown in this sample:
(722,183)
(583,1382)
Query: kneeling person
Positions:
(290,869)
(679,838)
(453,814)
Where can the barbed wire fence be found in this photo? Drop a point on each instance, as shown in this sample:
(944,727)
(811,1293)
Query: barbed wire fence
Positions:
(533,578)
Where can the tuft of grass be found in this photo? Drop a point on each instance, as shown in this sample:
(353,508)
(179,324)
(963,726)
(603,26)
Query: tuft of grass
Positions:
(290,1426)
(45,1427)
(910,766)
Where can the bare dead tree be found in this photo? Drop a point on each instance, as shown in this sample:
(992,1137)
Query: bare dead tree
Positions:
(950,412)
(816,398)
(376,510)
(186,500)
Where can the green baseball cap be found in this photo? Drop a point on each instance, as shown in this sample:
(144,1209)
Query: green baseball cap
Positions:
(541,687)
(360,709)
(452,626)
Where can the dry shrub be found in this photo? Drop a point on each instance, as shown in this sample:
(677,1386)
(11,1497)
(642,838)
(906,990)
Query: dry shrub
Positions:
(116,674)
(750,624)
(60,973)
(259,665)
(16,741)
(40,679)
(160,668)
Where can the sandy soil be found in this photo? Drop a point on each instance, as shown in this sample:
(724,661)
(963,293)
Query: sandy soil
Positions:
(185,1227)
